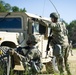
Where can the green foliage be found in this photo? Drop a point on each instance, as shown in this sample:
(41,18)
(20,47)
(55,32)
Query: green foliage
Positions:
(5,7)
(2,8)
(15,9)
(72,31)
(2,2)
(23,10)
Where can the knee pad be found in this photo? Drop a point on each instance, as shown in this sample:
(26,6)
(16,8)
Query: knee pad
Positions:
(57,50)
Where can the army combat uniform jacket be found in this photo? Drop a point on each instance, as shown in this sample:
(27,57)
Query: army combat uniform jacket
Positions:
(32,53)
(59,38)
(59,33)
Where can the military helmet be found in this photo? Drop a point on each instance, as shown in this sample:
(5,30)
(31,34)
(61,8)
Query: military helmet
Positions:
(54,15)
(31,40)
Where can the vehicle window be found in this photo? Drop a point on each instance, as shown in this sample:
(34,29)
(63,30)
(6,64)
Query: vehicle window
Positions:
(38,28)
(35,27)
(10,23)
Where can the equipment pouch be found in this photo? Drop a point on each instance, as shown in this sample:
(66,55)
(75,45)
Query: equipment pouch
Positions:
(57,50)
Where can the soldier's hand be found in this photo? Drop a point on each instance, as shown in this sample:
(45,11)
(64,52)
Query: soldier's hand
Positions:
(34,19)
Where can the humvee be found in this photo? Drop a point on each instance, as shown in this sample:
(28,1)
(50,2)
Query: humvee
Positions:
(16,27)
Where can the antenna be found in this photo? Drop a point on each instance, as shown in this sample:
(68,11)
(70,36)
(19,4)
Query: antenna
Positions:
(43,8)
(55,8)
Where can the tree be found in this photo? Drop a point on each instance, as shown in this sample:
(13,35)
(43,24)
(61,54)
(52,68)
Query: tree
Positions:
(22,10)
(15,9)
(2,8)
(72,31)
(2,2)
(5,7)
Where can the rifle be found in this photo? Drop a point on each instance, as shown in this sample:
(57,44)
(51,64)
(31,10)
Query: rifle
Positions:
(49,39)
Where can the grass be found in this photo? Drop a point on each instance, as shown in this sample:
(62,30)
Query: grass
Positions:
(74,48)
(72,67)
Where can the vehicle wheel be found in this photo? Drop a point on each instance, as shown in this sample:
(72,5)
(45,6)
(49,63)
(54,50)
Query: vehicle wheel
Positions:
(4,60)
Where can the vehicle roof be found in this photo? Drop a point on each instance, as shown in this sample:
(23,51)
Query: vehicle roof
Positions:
(38,17)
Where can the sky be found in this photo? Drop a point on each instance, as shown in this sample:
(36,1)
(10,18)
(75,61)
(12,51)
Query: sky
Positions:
(66,8)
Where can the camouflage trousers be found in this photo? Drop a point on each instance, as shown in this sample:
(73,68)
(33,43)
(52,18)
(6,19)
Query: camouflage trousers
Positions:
(62,61)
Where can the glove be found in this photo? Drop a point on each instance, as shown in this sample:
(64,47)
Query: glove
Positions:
(50,37)
(34,19)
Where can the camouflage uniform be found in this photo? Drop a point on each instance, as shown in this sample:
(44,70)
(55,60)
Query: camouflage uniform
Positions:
(33,55)
(60,42)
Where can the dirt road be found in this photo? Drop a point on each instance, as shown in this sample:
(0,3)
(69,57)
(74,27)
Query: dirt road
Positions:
(72,62)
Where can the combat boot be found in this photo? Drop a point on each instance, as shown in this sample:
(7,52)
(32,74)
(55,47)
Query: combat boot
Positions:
(69,73)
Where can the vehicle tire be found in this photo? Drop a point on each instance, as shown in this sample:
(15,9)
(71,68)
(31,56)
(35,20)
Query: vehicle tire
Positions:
(4,60)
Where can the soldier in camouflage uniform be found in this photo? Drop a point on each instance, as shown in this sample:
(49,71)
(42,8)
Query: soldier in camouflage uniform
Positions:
(59,43)
(30,56)
(33,55)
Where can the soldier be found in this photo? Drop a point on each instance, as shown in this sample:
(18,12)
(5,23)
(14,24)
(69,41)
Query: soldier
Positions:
(33,54)
(70,47)
(59,43)
(29,54)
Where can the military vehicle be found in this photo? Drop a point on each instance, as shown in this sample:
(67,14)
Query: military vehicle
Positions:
(15,28)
